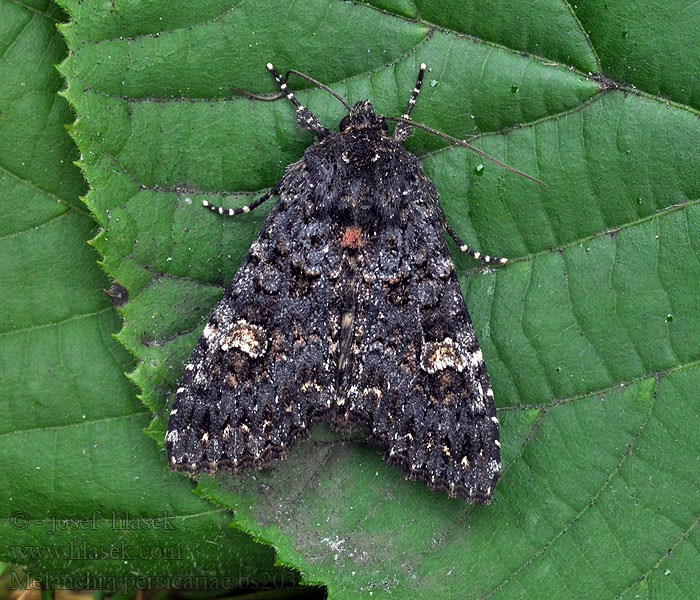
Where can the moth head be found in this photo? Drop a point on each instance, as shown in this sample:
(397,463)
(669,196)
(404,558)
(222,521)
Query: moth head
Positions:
(362,116)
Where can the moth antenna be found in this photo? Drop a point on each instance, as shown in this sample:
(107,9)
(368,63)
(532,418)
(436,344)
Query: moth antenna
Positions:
(324,87)
(232,212)
(305,118)
(459,142)
(286,80)
(402,130)
(470,251)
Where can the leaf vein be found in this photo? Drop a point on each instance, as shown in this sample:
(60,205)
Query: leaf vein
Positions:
(204,23)
(76,424)
(41,191)
(682,537)
(34,10)
(55,323)
(628,451)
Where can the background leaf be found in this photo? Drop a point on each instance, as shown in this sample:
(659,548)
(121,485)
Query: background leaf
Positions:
(86,500)
(591,335)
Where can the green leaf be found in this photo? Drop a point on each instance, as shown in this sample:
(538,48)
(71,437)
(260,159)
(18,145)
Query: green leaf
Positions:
(591,334)
(86,499)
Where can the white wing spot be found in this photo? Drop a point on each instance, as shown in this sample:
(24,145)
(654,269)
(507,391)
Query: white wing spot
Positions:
(437,356)
(247,337)
(477,358)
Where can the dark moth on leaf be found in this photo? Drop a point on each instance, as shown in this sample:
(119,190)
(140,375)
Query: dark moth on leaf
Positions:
(346,309)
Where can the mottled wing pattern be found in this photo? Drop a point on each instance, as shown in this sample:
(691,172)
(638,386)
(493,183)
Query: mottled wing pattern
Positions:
(418,382)
(261,367)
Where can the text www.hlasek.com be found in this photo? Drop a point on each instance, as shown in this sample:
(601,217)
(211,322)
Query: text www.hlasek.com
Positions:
(85,551)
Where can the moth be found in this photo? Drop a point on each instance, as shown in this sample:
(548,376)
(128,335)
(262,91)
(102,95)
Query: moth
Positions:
(346,309)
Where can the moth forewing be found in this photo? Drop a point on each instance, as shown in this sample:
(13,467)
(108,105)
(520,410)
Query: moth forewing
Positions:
(346,309)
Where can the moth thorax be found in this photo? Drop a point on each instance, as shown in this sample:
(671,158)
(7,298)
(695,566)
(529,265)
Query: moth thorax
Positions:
(360,209)
(364,153)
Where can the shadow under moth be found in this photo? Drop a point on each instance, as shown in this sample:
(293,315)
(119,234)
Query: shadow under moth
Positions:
(346,309)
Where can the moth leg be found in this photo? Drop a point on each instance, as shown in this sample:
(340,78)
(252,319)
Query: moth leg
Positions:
(464,248)
(403,130)
(305,118)
(232,212)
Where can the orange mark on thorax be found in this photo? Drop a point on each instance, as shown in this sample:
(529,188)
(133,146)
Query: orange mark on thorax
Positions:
(352,238)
